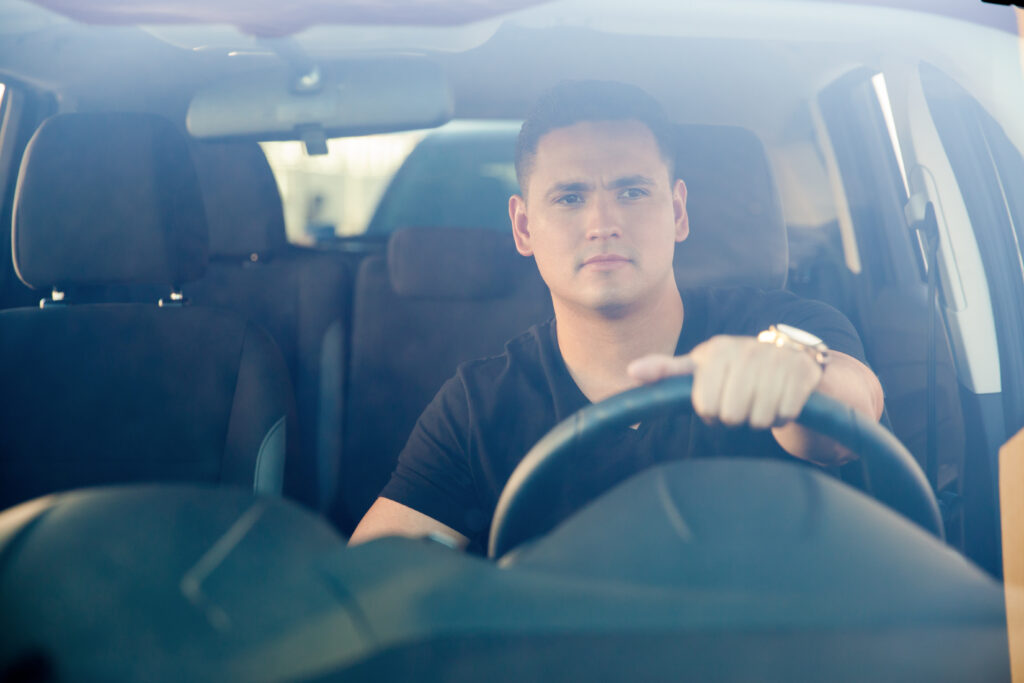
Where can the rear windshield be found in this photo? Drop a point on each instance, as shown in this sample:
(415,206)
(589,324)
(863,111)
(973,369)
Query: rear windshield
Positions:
(458,175)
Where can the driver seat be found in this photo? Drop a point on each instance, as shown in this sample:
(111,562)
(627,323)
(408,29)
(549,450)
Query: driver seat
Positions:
(445,295)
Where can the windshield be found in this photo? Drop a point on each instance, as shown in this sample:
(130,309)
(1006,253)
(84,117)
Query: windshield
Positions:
(272,273)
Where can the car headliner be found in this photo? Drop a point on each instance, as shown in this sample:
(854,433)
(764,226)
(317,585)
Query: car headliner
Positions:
(774,53)
(272,18)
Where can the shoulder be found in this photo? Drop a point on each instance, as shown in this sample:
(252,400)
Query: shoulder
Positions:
(748,310)
(521,358)
(737,308)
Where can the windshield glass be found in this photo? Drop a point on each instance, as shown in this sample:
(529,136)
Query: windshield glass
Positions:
(650,317)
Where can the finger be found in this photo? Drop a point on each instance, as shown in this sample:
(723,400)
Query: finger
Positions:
(708,378)
(740,386)
(764,409)
(800,382)
(654,367)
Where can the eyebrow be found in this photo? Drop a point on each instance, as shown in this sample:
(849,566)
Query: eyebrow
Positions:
(630,180)
(617,184)
(577,186)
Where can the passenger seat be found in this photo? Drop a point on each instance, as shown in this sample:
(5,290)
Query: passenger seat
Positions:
(106,393)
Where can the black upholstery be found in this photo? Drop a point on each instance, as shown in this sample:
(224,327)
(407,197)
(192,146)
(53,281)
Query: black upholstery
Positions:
(107,199)
(300,296)
(737,232)
(118,393)
(896,341)
(243,206)
(451,263)
(98,393)
(405,347)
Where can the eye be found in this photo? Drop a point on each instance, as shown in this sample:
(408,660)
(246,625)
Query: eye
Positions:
(570,199)
(634,193)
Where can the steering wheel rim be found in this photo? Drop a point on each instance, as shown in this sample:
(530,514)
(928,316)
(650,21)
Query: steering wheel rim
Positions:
(895,477)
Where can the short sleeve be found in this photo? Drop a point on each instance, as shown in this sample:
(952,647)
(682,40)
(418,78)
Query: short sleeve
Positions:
(818,318)
(433,475)
(749,311)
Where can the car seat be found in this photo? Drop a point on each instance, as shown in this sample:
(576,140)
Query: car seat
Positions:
(437,298)
(102,393)
(444,295)
(301,296)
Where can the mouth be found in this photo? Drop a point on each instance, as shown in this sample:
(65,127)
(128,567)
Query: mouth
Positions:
(605,261)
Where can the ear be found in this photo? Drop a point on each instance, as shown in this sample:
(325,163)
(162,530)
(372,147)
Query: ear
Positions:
(682,219)
(520,224)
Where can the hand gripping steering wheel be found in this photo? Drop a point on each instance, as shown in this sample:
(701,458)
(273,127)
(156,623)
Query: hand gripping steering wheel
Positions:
(895,478)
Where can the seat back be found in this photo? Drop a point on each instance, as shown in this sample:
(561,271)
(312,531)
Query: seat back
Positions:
(439,297)
(301,296)
(737,230)
(103,393)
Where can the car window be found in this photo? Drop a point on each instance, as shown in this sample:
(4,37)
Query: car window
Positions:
(335,194)
(459,176)
(988,168)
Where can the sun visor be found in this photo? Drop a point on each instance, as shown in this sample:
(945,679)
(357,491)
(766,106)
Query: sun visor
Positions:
(355,98)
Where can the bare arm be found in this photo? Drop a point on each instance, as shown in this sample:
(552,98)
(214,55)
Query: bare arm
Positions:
(848,381)
(738,380)
(388,518)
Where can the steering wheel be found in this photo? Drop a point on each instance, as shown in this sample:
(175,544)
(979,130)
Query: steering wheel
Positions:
(895,478)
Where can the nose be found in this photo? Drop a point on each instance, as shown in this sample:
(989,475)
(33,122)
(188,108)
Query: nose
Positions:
(603,220)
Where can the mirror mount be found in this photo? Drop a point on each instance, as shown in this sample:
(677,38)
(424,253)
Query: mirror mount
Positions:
(304,74)
(314,138)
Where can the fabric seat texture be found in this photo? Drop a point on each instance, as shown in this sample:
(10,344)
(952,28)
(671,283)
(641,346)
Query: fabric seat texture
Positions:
(437,298)
(104,393)
(301,296)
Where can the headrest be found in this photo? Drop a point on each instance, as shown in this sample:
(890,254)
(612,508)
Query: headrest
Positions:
(108,199)
(737,232)
(453,263)
(243,206)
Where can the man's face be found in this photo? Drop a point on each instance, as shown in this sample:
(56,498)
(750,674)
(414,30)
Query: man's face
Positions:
(602,216)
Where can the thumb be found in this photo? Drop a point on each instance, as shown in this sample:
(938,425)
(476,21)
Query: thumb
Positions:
(658,366)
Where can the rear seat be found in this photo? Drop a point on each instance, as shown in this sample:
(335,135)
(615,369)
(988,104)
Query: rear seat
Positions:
(104,393)
(300,295)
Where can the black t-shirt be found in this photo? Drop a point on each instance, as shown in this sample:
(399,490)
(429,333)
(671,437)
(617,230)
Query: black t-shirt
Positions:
(483,421)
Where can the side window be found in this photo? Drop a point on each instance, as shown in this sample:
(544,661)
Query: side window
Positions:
(4,134)
(854,109)
(988,168)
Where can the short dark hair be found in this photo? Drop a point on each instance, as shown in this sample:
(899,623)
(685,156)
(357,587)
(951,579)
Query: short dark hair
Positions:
(572,102)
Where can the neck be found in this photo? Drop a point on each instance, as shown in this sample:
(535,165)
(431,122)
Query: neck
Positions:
(597,346)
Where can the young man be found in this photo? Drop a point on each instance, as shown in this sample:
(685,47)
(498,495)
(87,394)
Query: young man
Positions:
(600,213)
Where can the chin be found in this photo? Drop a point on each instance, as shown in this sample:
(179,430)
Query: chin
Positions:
(613,306)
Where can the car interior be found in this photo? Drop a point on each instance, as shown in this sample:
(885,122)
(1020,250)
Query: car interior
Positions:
(163,340)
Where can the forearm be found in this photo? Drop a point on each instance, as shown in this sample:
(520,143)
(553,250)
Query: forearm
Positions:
(389,518)
(850,382)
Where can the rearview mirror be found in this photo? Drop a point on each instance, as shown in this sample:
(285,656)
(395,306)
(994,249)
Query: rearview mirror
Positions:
(354,98)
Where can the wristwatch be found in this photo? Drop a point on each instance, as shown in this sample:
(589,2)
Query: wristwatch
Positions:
(787,336)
